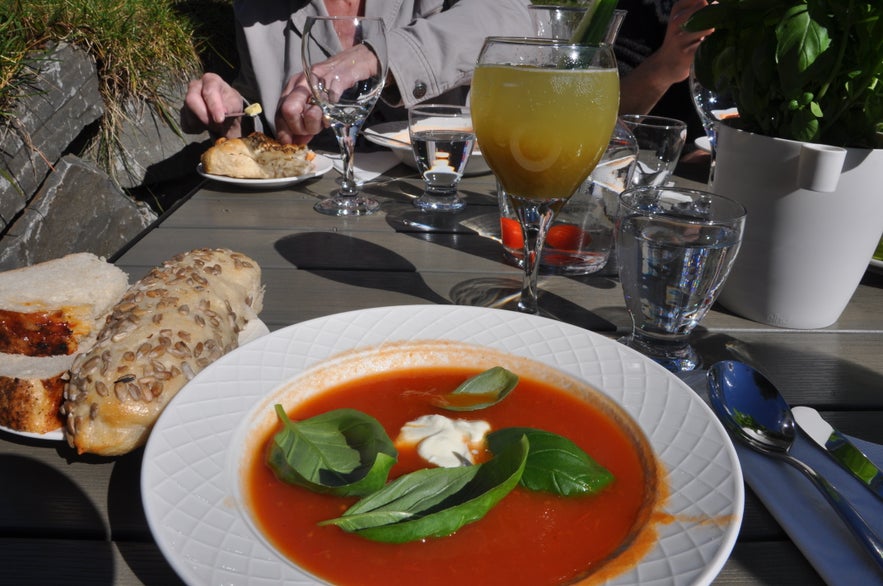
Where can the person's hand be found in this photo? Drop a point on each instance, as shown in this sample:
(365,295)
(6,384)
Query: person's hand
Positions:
(298,117)
(642,88)
(673,59)
(208,101)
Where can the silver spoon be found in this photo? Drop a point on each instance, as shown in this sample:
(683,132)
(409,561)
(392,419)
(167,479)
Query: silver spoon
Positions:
(750,406)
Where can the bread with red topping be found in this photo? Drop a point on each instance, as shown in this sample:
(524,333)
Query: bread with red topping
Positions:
(49,313)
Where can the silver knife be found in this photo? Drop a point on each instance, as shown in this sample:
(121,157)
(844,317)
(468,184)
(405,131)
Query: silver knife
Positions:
(839,448)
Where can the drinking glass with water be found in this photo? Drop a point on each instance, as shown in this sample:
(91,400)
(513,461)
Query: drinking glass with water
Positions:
(676,247)
(660,142)
(442,140)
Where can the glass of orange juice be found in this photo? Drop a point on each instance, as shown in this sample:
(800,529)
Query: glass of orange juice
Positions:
(543,111)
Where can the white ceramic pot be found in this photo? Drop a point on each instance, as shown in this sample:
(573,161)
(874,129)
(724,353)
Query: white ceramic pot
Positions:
(815,216)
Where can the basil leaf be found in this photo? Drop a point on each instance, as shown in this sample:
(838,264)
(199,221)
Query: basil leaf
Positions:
(555,464)
(482,390)
(405,497)
(435,502)
(342,452)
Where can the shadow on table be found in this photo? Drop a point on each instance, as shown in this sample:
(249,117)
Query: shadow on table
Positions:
(44,516)
(361,263)
(502,293)
(799,371)
(346,260)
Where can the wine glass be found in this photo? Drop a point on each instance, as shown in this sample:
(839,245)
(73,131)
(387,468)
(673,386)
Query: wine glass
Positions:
(345,94)
(561,22)
(712,105)
(543,111)
(580,240)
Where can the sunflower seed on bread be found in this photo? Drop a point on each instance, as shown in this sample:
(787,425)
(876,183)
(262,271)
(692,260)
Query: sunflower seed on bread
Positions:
(178,319)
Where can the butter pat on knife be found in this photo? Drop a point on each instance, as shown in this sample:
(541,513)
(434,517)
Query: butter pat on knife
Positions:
(839,448)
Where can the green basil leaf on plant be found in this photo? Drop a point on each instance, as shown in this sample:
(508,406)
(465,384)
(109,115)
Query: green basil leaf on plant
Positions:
(342,452)
(555,464)
(435,502)
(482,390)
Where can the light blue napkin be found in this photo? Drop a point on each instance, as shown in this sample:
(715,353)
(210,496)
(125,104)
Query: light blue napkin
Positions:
(807,517)
(804,513)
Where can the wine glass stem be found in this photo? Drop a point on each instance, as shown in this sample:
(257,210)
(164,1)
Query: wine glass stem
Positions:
(346,139)
(535,217)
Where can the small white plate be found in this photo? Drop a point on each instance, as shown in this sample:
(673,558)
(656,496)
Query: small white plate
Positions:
(392,135)
(54,435)
(322,165)
(189,471)
(703,144)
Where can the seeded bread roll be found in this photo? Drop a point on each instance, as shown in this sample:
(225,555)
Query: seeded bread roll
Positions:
(168,326)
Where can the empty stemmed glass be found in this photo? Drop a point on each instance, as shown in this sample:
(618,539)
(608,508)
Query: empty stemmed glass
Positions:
(346,94)
(543,111)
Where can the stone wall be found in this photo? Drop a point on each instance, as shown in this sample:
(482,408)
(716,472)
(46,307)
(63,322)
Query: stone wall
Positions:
(54,199)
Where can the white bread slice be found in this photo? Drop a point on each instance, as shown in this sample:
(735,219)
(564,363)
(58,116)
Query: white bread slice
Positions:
(75,293)
(77,290)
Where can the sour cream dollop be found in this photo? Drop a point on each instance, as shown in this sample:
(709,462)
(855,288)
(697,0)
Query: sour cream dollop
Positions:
(445,442)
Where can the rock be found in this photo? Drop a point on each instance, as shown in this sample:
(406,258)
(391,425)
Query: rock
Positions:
(62,100)
(151,148)
(78,209)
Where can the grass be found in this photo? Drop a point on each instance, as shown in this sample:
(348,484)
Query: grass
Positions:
(139,47)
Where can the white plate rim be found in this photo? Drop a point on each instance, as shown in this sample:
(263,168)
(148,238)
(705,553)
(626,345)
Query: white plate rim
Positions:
(52,435)
(378,134)
(323,165)
(190,506)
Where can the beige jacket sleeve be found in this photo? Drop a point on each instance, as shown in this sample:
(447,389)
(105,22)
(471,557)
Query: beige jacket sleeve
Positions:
(437,51)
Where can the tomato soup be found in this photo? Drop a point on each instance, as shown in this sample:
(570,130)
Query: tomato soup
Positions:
(530,538)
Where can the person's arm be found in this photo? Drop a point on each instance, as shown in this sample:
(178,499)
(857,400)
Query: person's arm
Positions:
(642,87)
(435,54)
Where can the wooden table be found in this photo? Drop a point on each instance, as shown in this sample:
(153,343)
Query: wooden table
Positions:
(79,520)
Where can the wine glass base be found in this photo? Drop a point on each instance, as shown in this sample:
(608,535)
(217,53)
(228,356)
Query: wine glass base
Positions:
(347,206)
(496,293)
(673,356)
(434,203)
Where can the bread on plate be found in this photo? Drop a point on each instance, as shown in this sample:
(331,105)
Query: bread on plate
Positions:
(49,313)
(257,156)
(168,326)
